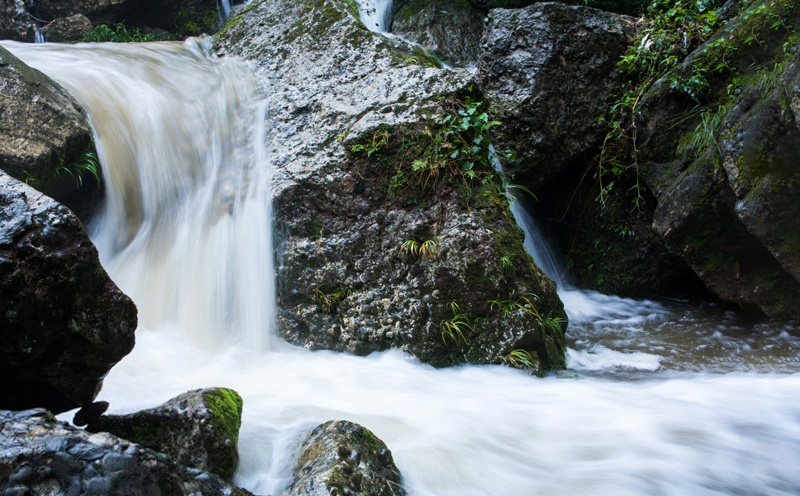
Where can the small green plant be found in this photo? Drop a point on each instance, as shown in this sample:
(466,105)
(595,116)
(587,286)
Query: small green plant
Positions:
(328,302)
(525,303)
(86,163)
(521,359)
(454,328)
(514,303)
(704,134)
(623,231)
(428,249)
(119,34)
(379,140)
(507,264)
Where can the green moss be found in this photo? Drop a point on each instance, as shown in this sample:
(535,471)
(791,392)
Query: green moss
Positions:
(366,437)
(225,406)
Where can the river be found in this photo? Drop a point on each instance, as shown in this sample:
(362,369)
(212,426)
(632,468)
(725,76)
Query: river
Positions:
(661,398)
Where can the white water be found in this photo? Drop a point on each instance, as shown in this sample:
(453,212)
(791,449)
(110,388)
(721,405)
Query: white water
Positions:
(664,398)
(376,14)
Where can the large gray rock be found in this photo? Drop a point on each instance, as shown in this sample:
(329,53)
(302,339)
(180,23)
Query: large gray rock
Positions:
(15,21)
(43,131)
(343,282)
(727,186)
(198,429)
(449,29)
(63,322)
(66,29)
(547,71)
(340,457)
(39,455)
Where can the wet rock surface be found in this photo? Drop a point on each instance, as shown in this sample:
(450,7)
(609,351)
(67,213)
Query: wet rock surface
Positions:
(43,131)
(450,29)
(66,29)
(547,70)
(15,22)
(63,322)
(726,201)
(40,455)
(343,282)
(99,11)
(198,429)
(341,457)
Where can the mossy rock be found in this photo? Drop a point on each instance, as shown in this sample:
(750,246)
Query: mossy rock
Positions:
(199,429)
(341,457)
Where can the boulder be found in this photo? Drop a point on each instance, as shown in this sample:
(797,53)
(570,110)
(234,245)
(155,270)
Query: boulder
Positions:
(15,22)
(66,29)
(341,457)
(99,11)
(449,29)
(726,177)
(198,429)
(63,321)
(44,138)
(345,106)
(183,17)
(547,70)
(39,455)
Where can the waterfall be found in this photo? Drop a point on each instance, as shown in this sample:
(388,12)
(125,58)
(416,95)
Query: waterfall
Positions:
(685,400)
(376,14)
(186,230)
(38,36)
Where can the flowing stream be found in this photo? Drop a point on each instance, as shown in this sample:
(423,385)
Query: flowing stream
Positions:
(661,398)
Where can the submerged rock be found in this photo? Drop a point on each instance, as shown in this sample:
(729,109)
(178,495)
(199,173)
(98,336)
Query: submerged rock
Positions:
(66,29)
(39,455)
(340,457)
(44,138)
(198,429)
(346,106)
(15,22)
(63,322)
(547,70)
(449,29)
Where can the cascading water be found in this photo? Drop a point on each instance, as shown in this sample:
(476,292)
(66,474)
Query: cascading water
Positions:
(376,14)
(186,233)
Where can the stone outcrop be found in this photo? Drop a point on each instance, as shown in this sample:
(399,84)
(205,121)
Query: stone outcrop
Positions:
(198,429)
(43,132)
(39,455)
(63,322)
(344,282)
(341,457)
(547,70)
(726,179)
(450,29)
(66,29)
(99,11)
(15,22)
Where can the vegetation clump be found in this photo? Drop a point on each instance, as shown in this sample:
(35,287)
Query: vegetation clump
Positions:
(708,82)
(119,33)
